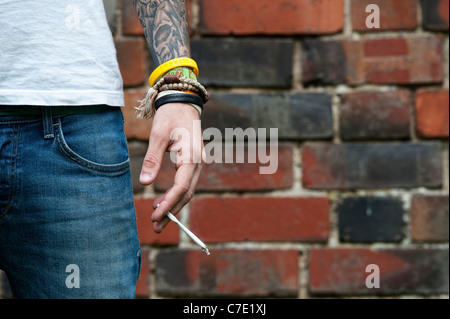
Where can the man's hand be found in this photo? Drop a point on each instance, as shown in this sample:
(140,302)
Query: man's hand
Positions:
(166,29)
(176,128)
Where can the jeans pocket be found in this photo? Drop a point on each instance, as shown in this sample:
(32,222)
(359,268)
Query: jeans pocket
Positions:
(94,141)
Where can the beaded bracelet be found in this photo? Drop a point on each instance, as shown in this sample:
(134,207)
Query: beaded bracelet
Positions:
(146,109)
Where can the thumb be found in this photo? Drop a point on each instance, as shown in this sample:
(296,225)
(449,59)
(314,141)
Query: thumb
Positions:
(152,162)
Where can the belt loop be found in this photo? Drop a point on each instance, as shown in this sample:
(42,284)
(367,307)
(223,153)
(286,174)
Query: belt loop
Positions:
(47,122)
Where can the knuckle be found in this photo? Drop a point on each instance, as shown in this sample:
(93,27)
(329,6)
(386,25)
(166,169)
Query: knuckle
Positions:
(188,196)
(182,188)
(151,160)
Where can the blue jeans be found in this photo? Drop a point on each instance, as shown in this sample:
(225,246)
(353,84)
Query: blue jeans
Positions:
(67,218)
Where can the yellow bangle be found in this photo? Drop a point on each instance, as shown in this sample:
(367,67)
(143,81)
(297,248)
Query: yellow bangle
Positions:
(169,65)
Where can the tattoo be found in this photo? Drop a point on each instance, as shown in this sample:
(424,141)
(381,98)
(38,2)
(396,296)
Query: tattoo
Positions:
(165,25)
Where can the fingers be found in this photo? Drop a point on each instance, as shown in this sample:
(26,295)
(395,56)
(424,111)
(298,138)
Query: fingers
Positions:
(153,159)
(177,196)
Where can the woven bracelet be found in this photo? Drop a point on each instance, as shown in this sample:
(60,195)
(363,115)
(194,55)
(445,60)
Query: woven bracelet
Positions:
(179,98)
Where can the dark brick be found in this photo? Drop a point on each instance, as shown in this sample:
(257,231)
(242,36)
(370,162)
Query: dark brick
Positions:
(297,116)
(244,62)
(360,165)
(402,271)
(435,15)
(375,115)
(324,62)
(429,218)
(370,219)
(243,273)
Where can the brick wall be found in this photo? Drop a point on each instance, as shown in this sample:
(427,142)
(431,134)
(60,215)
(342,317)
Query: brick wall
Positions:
(363,151)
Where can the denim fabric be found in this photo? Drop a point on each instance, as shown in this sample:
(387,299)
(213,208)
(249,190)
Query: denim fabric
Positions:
(67,218)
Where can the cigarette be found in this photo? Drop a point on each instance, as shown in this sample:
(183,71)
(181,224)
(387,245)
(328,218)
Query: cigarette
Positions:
(188,232)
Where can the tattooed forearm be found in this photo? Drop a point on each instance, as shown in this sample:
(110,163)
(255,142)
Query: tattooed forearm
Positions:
(166,28)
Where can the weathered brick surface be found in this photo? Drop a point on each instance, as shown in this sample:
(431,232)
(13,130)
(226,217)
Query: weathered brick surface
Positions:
(147,236)
(132,56)
(402,271)
(137,152)
(391,60)
(135,128)
(227,273)
(375,115)
(261,219)
(370,219)
(429,218)
(143,283)
(296,116)
(244,62)
(237,176)
(361,165)
(130,21)
(432,113)
(271,17)
(362,178)
(394,15)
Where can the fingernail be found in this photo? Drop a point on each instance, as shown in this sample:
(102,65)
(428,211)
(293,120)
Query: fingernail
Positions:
(145,178)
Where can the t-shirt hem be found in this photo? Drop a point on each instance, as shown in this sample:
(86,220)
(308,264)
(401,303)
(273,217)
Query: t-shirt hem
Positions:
(60,98)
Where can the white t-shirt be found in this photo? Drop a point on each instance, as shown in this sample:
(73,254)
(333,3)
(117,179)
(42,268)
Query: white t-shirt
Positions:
(57,52)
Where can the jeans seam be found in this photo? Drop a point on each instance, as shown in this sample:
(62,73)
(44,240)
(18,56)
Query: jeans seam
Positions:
(12,172)
(92,166)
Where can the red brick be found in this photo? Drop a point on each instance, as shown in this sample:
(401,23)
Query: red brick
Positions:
(132,55)
(130,21)
(432,113)
(271,17)
(415,59)
(144,209)
(260,219)
(411,60)
(236,176)
(385,47)
(394,15)
(227,272)
(135,128)
(343,271)
(429,218)
(142,284)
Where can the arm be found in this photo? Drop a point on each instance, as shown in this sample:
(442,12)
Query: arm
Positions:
(166,29)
